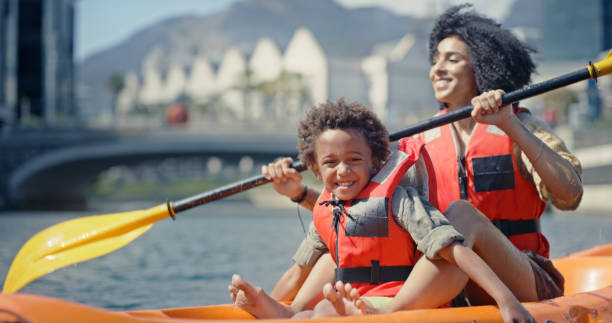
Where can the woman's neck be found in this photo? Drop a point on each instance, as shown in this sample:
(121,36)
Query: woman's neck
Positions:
(464,126)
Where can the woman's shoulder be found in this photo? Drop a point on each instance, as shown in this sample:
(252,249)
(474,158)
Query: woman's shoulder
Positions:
(532,122)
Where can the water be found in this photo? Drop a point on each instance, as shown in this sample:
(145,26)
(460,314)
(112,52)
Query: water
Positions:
(189,262)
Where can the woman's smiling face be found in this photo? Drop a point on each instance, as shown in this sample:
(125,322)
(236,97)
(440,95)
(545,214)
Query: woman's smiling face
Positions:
(452,75)
(343,162)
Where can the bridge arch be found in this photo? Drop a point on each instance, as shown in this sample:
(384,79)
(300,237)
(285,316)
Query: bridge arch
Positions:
(60,178)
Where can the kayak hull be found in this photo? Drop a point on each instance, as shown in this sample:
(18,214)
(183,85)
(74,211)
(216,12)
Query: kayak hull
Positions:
(594,306)
(588,299)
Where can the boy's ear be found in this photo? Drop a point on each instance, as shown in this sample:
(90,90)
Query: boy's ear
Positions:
(313,167)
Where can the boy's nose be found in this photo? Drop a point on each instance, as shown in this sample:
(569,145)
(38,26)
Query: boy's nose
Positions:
(343,168)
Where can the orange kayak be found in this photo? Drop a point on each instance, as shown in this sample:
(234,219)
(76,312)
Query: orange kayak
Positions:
(588,288)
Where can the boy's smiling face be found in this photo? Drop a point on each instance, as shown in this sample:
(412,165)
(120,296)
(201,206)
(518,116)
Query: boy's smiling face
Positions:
(343,162)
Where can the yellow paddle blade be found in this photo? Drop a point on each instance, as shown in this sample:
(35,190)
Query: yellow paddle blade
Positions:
(78,240)
(603,67)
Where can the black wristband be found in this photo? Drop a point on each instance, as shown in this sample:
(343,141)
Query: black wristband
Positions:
(302,196)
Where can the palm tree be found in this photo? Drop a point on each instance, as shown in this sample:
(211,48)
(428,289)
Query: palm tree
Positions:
(289,90)
(115,84)
(246,84)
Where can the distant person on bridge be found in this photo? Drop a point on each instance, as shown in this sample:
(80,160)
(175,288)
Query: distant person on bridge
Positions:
(504,161)
(369,222)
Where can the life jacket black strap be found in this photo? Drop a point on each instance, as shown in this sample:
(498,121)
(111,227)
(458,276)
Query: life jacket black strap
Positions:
(373,275)
(512,227)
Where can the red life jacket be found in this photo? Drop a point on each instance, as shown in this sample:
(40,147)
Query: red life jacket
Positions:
(371,251)
(488,177)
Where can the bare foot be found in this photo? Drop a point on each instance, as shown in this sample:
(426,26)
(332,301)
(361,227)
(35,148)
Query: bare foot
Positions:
(344,299)
(255,301)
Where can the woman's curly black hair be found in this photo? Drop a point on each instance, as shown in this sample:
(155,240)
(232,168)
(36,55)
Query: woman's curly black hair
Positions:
(499,59)
(342,115)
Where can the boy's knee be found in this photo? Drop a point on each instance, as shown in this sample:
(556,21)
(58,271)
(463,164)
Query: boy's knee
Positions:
(468,220)
(460,211)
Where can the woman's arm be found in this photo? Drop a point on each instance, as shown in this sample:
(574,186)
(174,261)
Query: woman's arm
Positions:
(557,173)
(545,134)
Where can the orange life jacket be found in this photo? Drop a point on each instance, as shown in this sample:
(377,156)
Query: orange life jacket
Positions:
(488,177)
(371,251)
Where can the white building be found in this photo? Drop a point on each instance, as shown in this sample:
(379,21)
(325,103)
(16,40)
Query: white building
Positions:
(230,78)
(305,56)
(249,89)
(201,80)
(175,84)
(151,91)
(266,66)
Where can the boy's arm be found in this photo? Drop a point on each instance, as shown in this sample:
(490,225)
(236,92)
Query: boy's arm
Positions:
(290,282)
(310,198)
(287,181)
(305,258)
(478,271)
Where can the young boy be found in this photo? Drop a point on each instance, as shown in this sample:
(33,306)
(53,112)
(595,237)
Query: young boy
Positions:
(374,229)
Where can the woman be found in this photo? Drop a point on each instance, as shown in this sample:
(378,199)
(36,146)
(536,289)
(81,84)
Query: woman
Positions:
(502,160)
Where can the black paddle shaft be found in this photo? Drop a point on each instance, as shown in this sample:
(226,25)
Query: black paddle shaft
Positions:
(425,125)
(507,98)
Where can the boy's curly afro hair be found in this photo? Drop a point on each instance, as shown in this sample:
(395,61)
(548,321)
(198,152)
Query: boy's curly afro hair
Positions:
(499,59)
(342,115)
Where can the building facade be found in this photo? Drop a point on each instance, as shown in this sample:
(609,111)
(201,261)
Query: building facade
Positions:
(576,29)
(36,60)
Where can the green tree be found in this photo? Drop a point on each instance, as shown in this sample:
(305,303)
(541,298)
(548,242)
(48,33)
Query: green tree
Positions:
(286,87)
(115,84)
(245,82)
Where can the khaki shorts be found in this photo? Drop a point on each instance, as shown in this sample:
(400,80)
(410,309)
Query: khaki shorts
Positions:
(548,280)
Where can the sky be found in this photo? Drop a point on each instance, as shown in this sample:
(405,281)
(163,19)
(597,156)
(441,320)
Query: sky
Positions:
(104,23)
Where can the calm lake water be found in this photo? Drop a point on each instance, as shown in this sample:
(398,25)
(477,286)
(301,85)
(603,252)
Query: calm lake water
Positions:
(189,262)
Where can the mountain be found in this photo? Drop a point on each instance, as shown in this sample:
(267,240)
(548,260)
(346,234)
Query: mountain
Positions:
(341,32)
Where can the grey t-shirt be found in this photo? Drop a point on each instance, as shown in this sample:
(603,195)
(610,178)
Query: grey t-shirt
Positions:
(428,227)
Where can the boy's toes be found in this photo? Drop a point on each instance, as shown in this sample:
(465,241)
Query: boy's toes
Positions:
(239,284)
(329,293)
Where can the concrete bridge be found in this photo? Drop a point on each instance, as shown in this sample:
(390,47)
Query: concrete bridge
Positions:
(597,179)
(55,169)
(596,164)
